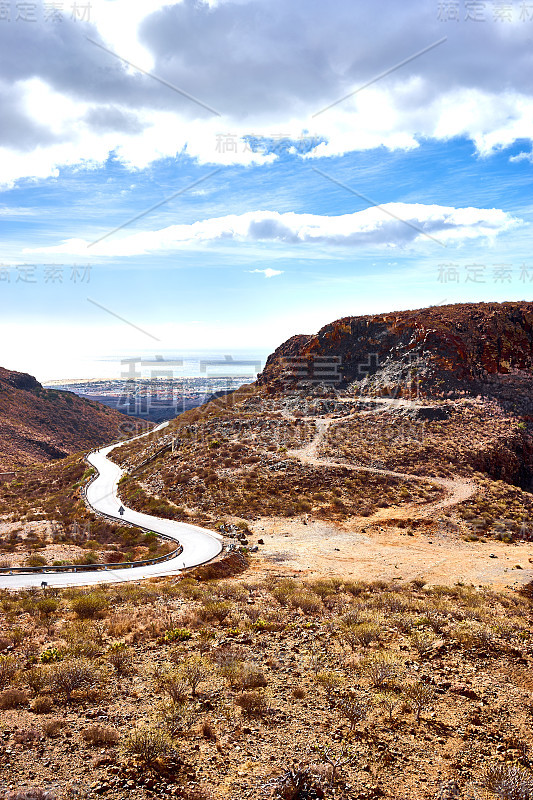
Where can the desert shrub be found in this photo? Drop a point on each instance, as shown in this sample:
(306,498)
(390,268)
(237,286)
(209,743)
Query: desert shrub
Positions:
(381,669)
(283,590)
(308,602)
(90,605)
(176,718)
(299,782)
(47,606)
(474,636)
(214,610)
(53,727)
(42,704)
(253,704)
(36,678)
(422,643)
(13,698)
(27,737)
(8,667)
(355,709)
(330,681)
(508,782)
(69,676)
(147,744)
(83,639)
(194,670)
(388,701)
(35,560)
(177,635)
(208,730)
(51,655)
(172,683)
(419,696)
(121,658)
(359,634)
(100,736)
(299,693)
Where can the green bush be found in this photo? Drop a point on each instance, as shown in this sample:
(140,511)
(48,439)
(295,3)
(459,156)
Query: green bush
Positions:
(90,605)
(177,635)
(51,655)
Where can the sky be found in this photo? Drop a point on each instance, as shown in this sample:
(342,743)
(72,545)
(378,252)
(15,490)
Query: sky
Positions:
(215,177)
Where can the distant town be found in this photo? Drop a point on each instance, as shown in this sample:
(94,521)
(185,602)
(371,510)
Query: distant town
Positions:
(154,399)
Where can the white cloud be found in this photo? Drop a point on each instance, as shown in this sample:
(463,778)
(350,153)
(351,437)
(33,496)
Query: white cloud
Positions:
(392,224)
(522,157)
(268,273)
(267,67)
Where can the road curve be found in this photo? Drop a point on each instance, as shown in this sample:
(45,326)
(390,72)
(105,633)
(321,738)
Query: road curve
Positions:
(199,544)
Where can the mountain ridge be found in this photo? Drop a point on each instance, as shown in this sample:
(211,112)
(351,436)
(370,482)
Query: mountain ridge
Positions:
(39,425)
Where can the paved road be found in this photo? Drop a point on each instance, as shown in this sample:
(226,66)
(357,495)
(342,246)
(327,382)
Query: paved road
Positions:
(199,544)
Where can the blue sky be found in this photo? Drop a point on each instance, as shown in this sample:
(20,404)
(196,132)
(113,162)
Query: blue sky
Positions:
(415,191)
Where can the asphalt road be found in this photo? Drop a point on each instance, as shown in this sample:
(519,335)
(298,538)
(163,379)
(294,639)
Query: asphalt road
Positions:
(199,544)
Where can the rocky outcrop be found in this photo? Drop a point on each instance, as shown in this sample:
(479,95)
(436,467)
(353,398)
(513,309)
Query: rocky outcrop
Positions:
(426,352)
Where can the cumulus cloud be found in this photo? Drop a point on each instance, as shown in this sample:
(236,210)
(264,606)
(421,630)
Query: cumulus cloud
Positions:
(392,224)
(269,69)
(268,272)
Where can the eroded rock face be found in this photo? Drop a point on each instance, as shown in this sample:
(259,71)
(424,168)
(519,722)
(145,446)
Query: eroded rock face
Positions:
(428,351)
(19,380)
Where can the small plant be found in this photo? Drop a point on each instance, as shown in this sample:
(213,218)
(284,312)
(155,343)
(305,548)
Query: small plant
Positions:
(51,655)
(419,696)
(422,643)
(100,736)
(508,782)
(299,693)
(353,708)
(381,669)
(194,671)
(253,704)
(147,744)
(176,635)
(13,698)
(70,676)
(53,727)
(90,605)
(172,683)
(121,658)
(42,704)
(8,667)
(359,634)
(35,560)
(176,718)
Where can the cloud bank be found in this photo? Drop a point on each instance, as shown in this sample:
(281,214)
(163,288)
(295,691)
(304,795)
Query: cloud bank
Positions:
(268,68)
(392,225)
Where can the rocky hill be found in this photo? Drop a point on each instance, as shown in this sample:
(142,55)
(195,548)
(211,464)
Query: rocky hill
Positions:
(475,348)
(38,425)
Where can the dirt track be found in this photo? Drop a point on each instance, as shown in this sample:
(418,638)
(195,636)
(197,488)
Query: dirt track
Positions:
(374,547)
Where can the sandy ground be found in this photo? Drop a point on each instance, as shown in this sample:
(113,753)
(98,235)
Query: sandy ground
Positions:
(355,551)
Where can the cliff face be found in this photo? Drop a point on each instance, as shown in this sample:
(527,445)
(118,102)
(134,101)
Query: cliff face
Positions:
(427,351)
(38,425)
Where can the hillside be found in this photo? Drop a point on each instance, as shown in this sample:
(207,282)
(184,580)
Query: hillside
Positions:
(482,348)
(366,634)
(39,425)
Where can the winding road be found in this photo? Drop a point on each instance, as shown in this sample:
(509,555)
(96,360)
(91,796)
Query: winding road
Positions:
(198,544)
